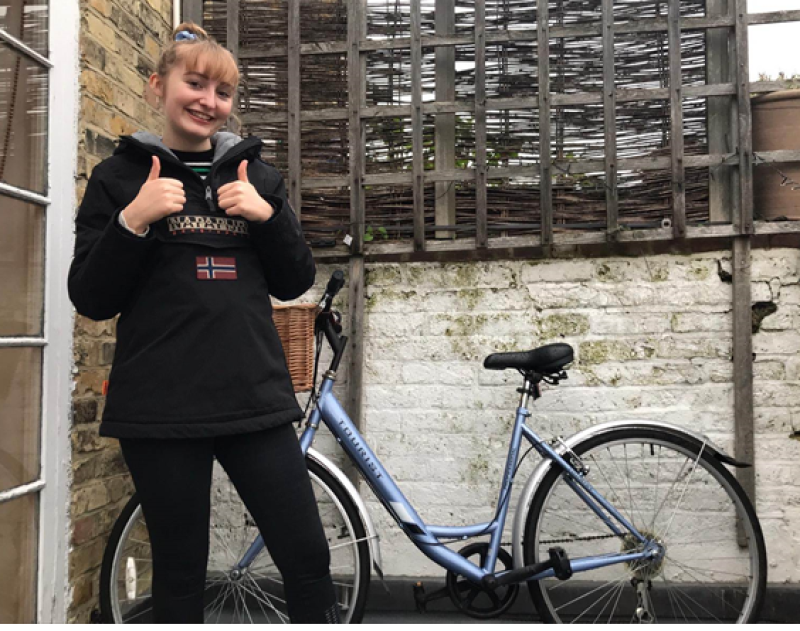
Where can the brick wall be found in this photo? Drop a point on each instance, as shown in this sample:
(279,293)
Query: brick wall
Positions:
(119,42)
(652,337)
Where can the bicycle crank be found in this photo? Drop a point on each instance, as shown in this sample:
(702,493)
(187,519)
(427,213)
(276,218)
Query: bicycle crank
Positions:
(480,601)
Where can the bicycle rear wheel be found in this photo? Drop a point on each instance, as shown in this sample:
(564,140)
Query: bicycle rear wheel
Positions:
(673,491)
(254,595)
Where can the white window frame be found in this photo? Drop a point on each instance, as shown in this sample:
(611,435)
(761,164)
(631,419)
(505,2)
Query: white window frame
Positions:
(53,590)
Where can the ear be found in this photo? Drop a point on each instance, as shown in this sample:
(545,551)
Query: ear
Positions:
(156,85)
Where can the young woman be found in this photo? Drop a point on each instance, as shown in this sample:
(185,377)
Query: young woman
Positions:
(185,237)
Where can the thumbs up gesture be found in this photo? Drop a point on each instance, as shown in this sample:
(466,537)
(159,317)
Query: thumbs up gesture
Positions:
(157,198)
(241,199)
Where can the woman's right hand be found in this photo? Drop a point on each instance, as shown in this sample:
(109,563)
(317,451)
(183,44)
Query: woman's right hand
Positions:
(157,198)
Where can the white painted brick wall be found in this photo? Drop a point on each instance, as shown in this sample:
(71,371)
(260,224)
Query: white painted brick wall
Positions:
(652,337)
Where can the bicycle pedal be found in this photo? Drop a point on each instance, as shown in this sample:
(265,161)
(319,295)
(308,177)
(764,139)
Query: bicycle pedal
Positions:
(562,568)
(419,597)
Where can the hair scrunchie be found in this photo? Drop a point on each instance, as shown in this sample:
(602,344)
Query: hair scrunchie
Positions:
(183,35)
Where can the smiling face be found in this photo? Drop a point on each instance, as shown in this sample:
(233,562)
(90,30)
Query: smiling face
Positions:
(196,107)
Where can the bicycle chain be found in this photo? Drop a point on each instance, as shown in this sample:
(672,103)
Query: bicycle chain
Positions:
(590,538)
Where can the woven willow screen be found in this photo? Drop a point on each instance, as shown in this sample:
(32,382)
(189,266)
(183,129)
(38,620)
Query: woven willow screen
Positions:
(420,121)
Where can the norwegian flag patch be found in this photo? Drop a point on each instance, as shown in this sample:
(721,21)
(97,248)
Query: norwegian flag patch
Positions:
(216,268)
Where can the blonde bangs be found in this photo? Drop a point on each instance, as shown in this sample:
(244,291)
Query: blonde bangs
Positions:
(211,60)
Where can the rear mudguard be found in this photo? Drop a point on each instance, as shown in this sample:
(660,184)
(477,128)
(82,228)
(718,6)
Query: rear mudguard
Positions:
(341,478)
(538,474)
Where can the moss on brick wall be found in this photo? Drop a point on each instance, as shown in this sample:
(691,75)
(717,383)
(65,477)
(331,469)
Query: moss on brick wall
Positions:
(120,41)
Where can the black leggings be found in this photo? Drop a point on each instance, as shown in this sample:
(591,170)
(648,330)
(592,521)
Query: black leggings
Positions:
(173,481)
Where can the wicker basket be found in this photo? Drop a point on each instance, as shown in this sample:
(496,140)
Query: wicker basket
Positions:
(295,325)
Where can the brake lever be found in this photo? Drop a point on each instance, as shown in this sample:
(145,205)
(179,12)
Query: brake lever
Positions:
(336,319)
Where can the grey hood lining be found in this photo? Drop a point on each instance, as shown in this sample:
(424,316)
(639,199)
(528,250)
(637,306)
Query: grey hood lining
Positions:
(221,142)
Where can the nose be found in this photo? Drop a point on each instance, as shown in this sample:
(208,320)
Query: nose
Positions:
(208,98)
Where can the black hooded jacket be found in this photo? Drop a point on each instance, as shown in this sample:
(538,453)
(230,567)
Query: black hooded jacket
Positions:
(197,353)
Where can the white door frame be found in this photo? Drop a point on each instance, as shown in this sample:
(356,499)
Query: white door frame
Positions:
(57,378)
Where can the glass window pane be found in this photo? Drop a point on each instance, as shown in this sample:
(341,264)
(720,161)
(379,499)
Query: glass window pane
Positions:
(21,267)
(27,21)
(19,531)
(23,120)
(20,407)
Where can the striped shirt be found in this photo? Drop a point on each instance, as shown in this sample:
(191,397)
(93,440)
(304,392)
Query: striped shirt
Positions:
(198,161)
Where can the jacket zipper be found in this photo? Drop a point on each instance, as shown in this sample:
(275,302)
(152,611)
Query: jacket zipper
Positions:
(210,199)
(209,194)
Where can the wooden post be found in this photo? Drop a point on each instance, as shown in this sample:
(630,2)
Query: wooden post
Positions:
(744,221)
(719,113)
(356,31)
(609,121)
(676,121)
(294,105)
(445,142)
(481,219)
(356,98)
(232,27)
(416,126)
(545,166)
(355,364)
(192,11)
(743,370)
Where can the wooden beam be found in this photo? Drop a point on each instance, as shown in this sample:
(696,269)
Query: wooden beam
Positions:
(445,125)
(652,25)
(658,163)
(773,17)
(743,370)
(719,113)
(416,125)
(676,122)
(610,121)
(192,11)
(232,33)
(632,242)
(355,364)
(744,220)
(481,202)
(622,95)
(545,185)
(294,106)
(355,99)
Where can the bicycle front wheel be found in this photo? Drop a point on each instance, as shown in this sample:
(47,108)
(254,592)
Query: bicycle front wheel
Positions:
(714,566)
(250,595)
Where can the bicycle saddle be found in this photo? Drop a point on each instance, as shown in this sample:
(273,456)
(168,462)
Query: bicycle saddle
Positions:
(546,359)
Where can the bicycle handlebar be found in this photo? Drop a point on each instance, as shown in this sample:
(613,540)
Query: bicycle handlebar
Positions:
(334,286)
(335,283)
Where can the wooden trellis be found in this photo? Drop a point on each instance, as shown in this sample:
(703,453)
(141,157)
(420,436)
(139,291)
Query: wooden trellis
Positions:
(435,220)
(309,62)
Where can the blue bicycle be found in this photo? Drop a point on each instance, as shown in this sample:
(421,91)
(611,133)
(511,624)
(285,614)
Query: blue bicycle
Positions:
(630,521)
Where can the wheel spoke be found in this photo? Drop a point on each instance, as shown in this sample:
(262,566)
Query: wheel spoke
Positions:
(691,517)
(611,590)
(267,600)
(683,492)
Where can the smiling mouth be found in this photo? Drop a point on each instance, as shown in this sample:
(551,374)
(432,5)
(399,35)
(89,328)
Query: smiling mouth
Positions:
(200,117)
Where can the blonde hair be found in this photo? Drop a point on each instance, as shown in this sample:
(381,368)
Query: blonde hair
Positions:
(203,54)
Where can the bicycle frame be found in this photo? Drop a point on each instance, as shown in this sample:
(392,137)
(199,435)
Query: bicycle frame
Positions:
(427,537)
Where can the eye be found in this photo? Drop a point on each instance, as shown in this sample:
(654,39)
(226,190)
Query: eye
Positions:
(225,95)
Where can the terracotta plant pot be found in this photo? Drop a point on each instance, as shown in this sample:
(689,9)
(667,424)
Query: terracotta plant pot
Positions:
(776,125)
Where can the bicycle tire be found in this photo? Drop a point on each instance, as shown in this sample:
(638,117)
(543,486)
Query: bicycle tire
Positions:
(354,590)
(680,586)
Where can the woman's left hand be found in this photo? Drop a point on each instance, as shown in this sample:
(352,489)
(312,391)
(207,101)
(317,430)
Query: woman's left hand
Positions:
(241,199)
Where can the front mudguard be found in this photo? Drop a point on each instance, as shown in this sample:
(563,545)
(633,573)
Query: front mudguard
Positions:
(520,517)
(369,527)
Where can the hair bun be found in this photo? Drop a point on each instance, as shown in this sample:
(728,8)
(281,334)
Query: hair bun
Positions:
(189,31)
